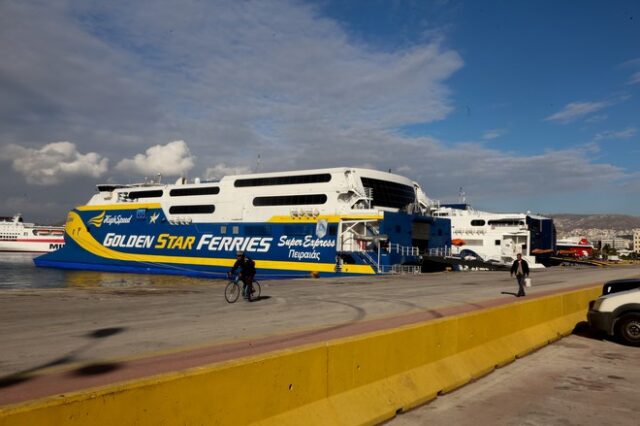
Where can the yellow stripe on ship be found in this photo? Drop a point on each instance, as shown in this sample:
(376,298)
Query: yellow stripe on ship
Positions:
(122,206)
(77,231)
(328,218)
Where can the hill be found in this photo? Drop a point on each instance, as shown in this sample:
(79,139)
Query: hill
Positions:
(566,223)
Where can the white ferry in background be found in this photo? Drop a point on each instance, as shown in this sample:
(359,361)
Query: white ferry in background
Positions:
(18,236)
(499,237)
(292,224)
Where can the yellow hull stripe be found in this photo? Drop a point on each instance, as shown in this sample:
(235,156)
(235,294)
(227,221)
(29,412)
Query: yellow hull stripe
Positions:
(273,219)
(78,232)
(328,218)
(123,206)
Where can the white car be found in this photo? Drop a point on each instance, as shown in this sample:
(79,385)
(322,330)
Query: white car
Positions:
(617,314)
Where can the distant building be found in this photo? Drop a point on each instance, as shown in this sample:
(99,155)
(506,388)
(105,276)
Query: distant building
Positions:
(616,243)
(636,240)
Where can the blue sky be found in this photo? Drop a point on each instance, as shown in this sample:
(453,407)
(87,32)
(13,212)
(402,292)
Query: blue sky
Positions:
(526,105)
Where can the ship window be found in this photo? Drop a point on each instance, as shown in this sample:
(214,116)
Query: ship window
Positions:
(290,200)
(390,194)
(223,229)
(201,190)
(497,242)
(235,230)
(197,209)
(506,222)
(299,230)
(478,222)
(257,230)
(283,180)
(134,195)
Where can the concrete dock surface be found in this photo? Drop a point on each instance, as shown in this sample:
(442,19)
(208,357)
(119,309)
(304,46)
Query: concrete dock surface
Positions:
(581,380)
(59,340)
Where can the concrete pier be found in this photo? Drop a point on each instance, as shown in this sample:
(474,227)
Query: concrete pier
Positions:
(63,340)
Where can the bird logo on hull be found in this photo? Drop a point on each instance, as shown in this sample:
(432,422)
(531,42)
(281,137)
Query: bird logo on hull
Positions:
(97,220)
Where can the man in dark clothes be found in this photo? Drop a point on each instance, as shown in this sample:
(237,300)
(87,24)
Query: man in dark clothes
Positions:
(520,267)
(247,272)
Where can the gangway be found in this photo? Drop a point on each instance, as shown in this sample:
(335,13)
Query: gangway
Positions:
(575,261)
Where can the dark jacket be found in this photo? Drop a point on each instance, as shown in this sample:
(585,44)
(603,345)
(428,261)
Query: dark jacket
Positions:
(525,267)
(246,266)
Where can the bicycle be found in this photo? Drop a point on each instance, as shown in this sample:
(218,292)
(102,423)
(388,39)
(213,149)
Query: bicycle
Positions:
(232,290)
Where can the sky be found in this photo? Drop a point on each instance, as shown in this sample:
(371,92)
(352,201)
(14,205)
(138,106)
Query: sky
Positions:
(526,106)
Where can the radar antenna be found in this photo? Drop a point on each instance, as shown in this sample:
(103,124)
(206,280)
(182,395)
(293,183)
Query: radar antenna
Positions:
(258,164)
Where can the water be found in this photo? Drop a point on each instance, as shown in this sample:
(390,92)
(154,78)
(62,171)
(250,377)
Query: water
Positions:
(18,271)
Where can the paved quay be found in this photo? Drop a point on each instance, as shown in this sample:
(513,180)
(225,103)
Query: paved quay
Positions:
(59,340)
(580,380)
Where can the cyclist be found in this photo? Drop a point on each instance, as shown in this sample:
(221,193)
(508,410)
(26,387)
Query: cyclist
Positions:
(247,271)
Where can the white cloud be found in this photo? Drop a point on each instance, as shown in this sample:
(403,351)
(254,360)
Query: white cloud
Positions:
(635,78)
(53,162)
(172,159)
(493,134)
(575,110)
(611,134)
(274,78)
(221,170)
(596,118)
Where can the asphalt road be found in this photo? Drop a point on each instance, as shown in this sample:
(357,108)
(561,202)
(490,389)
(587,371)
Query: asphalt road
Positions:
(144,315)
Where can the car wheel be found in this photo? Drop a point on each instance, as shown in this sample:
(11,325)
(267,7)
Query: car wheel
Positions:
(628,329)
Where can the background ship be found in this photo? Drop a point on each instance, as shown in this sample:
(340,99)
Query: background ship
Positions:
(21,237)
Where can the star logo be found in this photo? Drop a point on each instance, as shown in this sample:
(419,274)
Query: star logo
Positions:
(153,218)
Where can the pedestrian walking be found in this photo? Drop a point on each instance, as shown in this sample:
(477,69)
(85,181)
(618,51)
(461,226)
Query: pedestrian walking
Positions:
(520,268)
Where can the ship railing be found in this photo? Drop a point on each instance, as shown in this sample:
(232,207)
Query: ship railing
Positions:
(401,269)
(404,250)
(370,260)
(439,252)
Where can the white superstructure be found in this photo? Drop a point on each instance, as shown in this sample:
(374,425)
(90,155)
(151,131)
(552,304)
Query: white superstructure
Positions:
(494,237)
(259,197)
(18,236)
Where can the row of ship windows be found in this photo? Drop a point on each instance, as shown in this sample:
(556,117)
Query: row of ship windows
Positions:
(281,200)
(263,230)
(239,183)
(499,222)
(386,194)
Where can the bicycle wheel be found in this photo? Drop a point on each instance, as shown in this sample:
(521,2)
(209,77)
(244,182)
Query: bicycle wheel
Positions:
(232,292)
(256,291)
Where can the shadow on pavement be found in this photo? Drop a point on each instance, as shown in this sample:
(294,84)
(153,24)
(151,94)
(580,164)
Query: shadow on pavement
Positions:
(583,329)
(101,333)
(95,369)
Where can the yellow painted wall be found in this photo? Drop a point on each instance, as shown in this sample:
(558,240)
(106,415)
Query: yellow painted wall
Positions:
(357,380)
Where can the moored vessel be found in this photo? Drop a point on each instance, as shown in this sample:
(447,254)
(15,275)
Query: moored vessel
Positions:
(292,224)
(20,237)
(574,247)
(499,237)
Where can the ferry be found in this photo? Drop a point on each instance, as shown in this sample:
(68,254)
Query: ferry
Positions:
(336,221)
(499,237)
(21,237)
(572,247)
